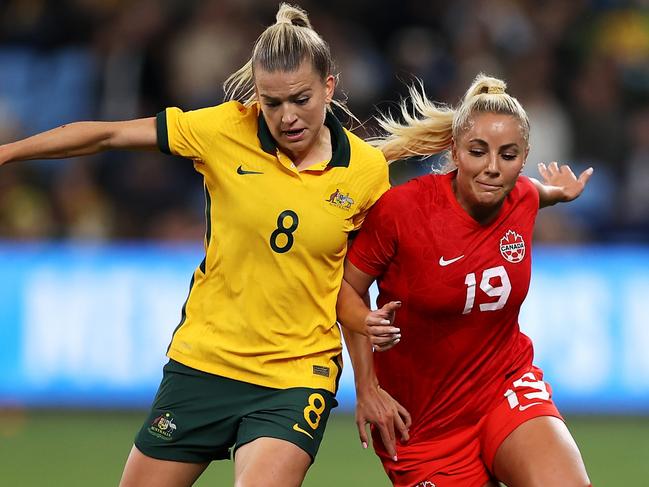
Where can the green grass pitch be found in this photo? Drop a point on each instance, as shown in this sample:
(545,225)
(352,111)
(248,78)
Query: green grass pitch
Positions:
(51,448)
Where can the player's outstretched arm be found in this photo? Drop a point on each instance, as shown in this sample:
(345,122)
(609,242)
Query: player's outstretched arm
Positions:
(559,183)
(82,138)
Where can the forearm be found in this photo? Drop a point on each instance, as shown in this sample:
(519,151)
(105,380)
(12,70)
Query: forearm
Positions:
(351,309)
(75,139)
(81,138)
(360,352)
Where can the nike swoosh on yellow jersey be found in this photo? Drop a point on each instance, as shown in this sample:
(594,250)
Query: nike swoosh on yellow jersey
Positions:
(241,170)
(297,428)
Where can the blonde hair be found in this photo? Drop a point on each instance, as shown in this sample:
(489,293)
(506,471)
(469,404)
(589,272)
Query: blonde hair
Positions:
(283,46)
(431,128)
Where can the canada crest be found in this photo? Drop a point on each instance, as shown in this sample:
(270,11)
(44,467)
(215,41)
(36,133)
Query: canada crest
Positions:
(512,247)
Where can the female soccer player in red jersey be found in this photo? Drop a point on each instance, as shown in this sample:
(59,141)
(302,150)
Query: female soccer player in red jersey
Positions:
(452,252)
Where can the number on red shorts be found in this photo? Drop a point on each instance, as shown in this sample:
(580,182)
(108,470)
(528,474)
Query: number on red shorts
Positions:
(528,381)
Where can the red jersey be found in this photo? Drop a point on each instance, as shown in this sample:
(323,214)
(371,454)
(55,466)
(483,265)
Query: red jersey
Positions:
(462,285)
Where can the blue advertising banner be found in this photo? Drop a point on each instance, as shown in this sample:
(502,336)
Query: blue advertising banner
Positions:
(88,326)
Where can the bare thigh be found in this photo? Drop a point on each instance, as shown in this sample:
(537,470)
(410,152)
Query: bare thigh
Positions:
(270,462)
(540,452)
(143,471)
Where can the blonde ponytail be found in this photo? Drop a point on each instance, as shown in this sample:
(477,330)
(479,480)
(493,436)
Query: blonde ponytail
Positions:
(427,131)
(283,46)
(431,128)
(294,15)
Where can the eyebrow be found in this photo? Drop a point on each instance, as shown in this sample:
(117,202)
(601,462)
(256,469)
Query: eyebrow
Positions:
(503,147)
(290,97)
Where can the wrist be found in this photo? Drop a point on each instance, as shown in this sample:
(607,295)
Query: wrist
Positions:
(367,386)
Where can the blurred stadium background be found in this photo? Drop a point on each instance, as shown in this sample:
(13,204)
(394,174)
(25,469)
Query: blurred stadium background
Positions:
(96,253)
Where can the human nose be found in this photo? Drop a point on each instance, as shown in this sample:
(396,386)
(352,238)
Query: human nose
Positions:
(288,115)
(492,164)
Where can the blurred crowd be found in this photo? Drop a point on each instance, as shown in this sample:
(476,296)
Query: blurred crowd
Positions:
(580,68)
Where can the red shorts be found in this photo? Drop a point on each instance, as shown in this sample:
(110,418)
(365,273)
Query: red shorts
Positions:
(464,457)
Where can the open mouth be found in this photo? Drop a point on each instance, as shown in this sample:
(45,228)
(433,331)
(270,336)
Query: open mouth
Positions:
(294,134)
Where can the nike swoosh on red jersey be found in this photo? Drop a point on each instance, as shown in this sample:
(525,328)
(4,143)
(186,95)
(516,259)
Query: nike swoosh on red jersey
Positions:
(523,408)
(443,262)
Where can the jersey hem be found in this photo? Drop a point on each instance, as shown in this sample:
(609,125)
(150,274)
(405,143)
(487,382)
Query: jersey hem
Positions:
(330,386)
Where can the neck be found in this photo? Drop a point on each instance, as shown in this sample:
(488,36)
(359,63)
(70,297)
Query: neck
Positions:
(321,150)
(483,214)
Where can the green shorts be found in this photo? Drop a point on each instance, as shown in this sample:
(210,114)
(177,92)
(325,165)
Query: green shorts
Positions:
(198,417)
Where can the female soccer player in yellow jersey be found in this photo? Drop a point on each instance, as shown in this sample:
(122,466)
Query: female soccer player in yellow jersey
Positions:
(255,360)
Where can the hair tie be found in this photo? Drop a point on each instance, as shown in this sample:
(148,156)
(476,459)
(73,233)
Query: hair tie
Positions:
(495,90)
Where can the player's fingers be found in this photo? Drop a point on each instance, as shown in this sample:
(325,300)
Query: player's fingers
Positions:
(405,415)
(553,167)
(362,432)
(565,169)
(375,319)
(384,340)
(388,438)
(391,306)
(378,330)
(585,176)
(400,426)
(386,346)
(543,171)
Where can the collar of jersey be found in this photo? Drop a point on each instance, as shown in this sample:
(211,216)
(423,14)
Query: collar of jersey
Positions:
(340,149)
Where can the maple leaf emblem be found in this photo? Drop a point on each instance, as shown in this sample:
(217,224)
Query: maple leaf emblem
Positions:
(512,247)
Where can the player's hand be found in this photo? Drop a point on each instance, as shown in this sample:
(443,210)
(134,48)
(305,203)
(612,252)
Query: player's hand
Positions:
(375,406)
(562,178)
(380,329)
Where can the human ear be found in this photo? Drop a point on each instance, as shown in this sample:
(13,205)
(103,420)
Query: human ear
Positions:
(330,87)
(527,151)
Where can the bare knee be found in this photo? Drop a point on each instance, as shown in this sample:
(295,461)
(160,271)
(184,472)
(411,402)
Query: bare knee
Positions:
(270,462)
(540,452)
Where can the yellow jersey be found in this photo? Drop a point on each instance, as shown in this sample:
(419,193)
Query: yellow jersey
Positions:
(262,304)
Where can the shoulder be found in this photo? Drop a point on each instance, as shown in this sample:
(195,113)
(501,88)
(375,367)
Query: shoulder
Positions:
(364,153)
(524,189)
(415,192)
(195,133)
(367,167)
(421,187)
(228,112)
(525,184)
(212,118)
